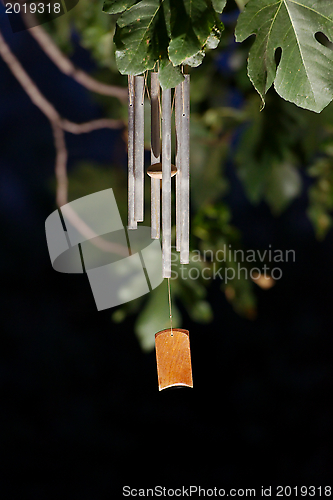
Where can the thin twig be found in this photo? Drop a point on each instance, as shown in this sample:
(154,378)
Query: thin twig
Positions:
(43,104)
(29,86)
(84,128)
(59,125)
(60,164)
(65,65)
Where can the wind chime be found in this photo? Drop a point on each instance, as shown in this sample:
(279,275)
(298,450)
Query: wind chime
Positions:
(172,345)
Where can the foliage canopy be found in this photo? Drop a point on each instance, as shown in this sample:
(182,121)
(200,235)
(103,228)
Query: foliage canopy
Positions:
(177,33)
(169,32)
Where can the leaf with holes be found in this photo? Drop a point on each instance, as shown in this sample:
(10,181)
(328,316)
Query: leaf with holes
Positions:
(304,74)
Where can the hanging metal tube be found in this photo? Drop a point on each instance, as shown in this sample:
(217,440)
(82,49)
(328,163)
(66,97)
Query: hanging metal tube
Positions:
(139,83)
(185,173)
(131,194)
(166,182)
(178,113)
(155,154)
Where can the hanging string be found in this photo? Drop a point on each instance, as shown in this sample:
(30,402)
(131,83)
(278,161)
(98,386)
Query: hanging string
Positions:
(146,85)
(185,72)
(173,102)
(170,310)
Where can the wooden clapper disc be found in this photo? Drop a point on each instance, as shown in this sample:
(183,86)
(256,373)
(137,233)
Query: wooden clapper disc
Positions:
(173,357)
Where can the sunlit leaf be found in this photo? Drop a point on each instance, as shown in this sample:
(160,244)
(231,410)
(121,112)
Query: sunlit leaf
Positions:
(304,74)
(219,5)
(283,184)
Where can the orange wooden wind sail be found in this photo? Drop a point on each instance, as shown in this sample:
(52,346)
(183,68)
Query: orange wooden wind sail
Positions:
(173,357)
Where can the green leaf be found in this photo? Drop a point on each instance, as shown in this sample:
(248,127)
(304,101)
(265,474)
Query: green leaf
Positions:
(214,39)
(219,5)
(304,75)
(265,153)
(241,4)
(192,22)
(117,6)
(167,31)
(321,193)
(277,183)
(201,312)
(320,219)
(196,60)
(283,185)
(137,46)
(169,75)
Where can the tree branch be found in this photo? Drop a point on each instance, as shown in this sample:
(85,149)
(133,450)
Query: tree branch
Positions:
(29,86)
(66,66)
(60,164)
(84,128)
(43,104)
(59,125)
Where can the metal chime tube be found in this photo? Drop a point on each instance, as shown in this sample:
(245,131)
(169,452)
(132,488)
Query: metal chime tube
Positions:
(166,182)
(155,154)
(178,112)
(131,220)
(185,173)
(139,83)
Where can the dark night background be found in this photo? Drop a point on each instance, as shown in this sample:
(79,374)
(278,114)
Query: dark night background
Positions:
(81,415)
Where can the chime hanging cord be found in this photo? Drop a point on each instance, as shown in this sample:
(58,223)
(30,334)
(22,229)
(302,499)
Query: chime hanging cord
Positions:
(169,292)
